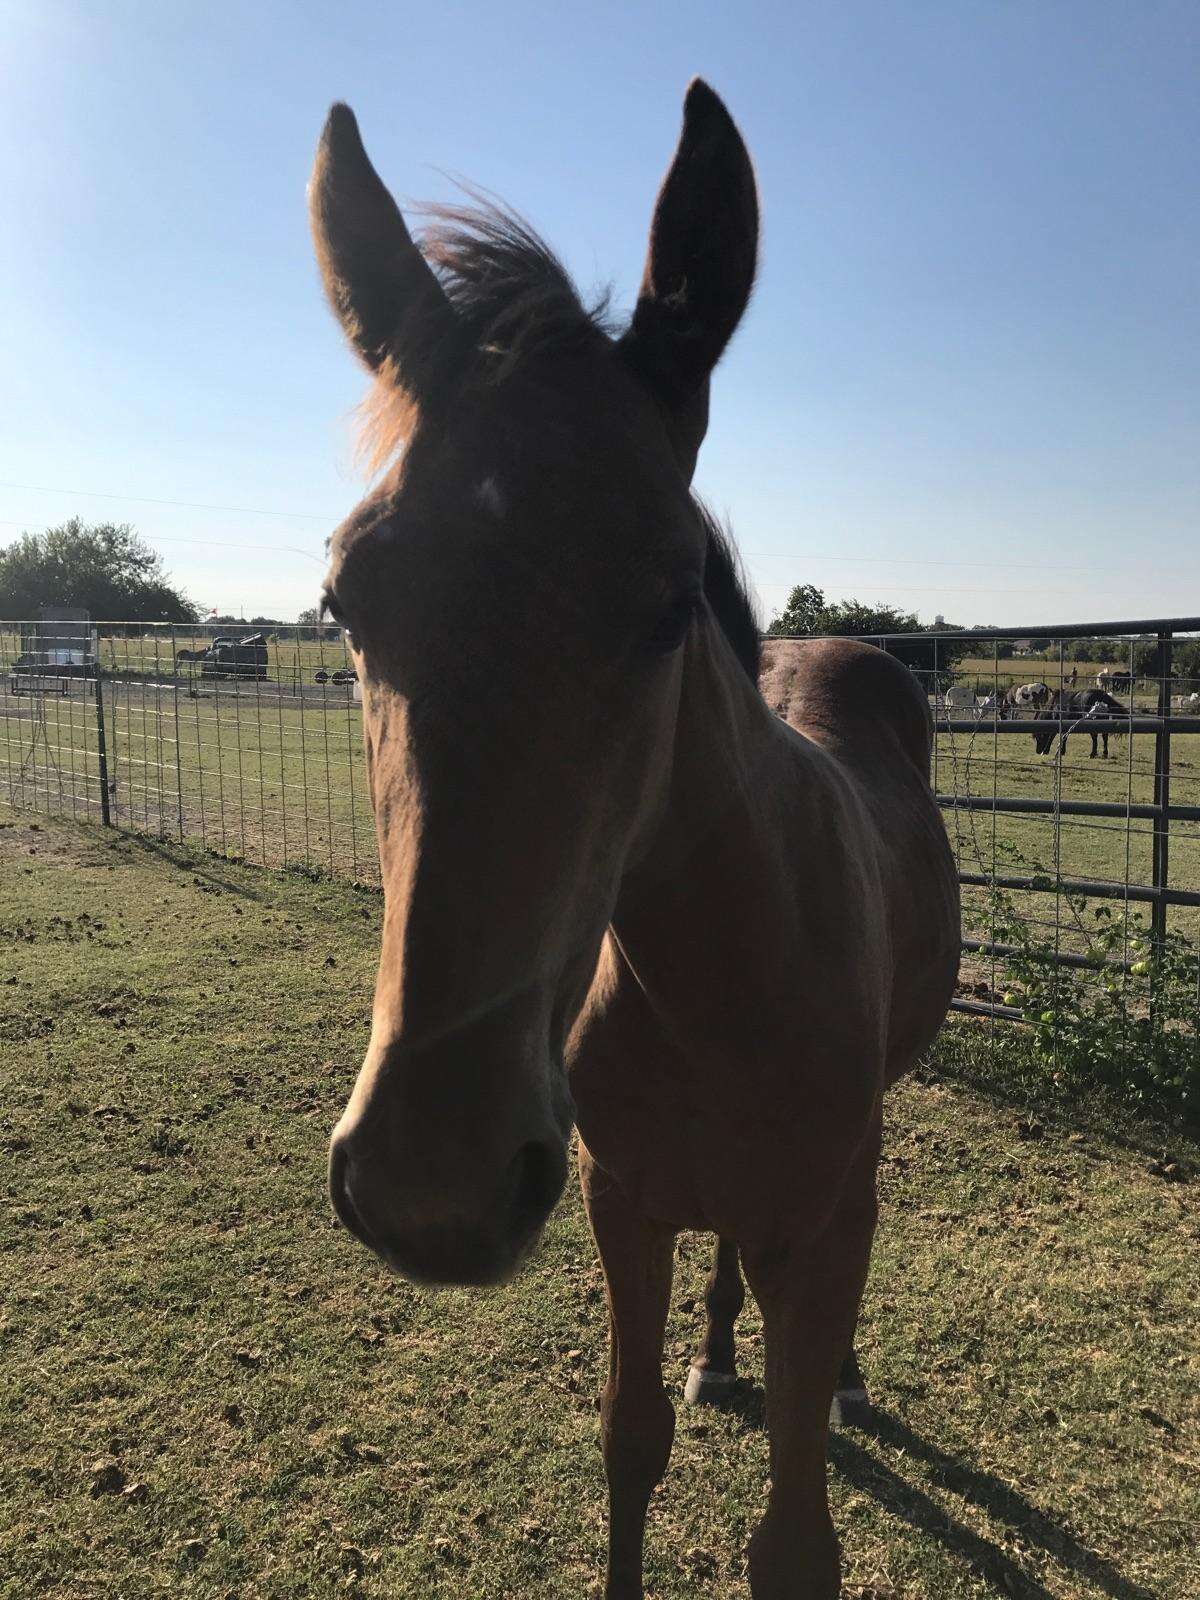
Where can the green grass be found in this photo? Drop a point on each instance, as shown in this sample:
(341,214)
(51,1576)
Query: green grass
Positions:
(179,1312)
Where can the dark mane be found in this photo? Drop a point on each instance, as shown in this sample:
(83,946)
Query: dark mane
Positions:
(513,296)
(727,595)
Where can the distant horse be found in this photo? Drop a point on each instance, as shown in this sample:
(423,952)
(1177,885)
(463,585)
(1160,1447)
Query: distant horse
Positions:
(1115,682)
(959,697)
(1082,707)
(1023,697)
(623,887)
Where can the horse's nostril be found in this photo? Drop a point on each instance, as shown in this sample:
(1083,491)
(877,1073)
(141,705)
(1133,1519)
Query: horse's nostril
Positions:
(540,1170)
(339,1193)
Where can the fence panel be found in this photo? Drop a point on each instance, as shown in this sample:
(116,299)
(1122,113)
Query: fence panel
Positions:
(251,750)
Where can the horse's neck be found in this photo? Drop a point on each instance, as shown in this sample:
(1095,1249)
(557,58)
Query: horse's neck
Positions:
(709,843)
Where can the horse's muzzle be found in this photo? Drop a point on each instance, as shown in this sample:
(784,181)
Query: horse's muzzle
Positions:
(428,1241)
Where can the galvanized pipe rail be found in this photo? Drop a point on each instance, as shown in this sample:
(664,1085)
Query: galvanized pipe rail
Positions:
(1071,725)
(1092,888)
(1139,811)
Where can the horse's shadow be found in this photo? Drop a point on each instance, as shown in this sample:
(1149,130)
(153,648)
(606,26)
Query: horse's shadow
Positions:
(858,1466)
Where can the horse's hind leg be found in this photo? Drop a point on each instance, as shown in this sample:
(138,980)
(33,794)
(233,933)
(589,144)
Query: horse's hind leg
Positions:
(637,1420)
(713,1372)
(851,1406)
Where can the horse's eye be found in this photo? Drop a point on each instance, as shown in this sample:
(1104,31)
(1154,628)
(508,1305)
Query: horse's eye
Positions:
(672,626)
(330,607)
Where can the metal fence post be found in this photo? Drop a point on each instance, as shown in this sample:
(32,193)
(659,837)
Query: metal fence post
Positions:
(1162,791)
(1162,799)
(101,747)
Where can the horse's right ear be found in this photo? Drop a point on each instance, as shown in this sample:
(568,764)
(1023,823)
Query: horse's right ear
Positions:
(699,269)
(382,290)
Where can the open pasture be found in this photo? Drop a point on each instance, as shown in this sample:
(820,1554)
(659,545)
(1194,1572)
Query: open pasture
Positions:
(211,1391)
(291,660)
(986,673)
(983,765)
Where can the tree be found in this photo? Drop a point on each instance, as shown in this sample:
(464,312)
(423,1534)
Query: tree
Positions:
(809,614)
(314,624)
(803,614)
(1186,665)
(107,569)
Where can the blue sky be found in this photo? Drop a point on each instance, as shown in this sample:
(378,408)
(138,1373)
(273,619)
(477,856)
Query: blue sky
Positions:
(969,382)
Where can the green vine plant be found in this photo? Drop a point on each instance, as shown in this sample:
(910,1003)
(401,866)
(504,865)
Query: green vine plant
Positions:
(1130,1018)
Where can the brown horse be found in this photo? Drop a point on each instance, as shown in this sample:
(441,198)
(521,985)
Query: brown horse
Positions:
(726,921)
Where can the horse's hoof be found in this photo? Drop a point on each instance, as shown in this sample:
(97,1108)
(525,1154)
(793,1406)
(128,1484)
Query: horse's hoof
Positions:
(705,1388)
(850,1408)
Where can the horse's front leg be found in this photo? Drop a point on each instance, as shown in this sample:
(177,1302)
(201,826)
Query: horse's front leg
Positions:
(637,1420)
(809,1299)
(713,1371)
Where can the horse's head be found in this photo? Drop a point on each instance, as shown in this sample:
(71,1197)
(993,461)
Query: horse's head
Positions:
(520,591)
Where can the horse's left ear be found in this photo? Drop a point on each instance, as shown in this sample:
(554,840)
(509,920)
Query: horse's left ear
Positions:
(699,269)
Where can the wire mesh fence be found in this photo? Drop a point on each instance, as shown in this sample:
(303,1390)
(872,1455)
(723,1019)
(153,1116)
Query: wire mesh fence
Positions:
(1066,760)
(249,745)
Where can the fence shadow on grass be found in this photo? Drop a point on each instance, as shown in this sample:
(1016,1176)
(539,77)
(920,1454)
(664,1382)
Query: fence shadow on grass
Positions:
(858,1465)
(207,871)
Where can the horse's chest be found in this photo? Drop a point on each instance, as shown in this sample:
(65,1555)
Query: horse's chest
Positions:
(738,1143)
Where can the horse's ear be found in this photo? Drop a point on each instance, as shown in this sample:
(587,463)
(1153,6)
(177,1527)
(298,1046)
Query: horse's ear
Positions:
(699,269)
(382,290)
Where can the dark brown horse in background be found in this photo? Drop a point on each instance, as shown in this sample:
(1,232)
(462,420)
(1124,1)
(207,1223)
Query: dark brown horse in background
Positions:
(1090,710)
(623,886)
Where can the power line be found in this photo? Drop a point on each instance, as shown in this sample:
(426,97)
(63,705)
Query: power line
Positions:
(932,588)
(896,560)
(191,505)
(218,544)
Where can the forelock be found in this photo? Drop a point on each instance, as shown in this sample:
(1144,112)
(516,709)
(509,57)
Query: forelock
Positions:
(514,300)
